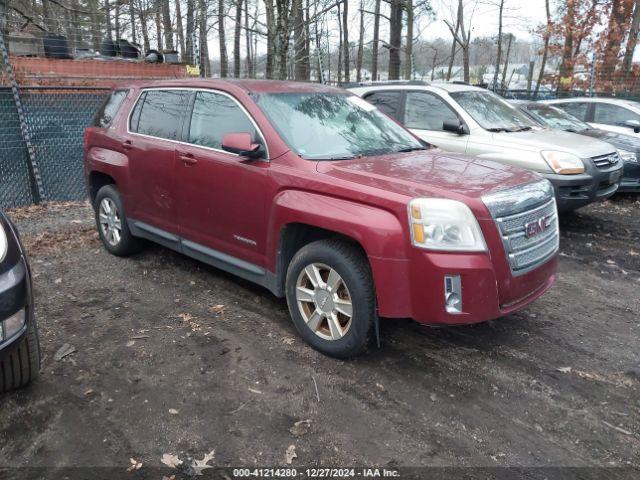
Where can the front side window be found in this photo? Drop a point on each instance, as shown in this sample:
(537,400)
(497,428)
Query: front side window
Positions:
(110,107)
(161,113)
(386,102)
(425,111)
(215,115)
(334,126)
(577,109)
(491,112)
(556,118)
(613,114)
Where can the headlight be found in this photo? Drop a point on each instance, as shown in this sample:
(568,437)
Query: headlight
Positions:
(562,162)
(3,243)
(627,156)
(442,224)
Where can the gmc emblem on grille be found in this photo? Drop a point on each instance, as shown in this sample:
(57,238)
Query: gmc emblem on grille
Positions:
(613,159)
(536,227)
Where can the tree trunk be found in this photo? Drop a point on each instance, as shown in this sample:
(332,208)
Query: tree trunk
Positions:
(248,42)
(188,42)
(166,24)
(224,61)
(395,39)
(340,49)
(566,67)
(271,35)
(236,39)
(506,60)
(621,10)
(452,57)
(158,8)
(545,52)
(205,64)
(376,42)
(132,19)
(360,44)
(345,41)
(107,18)
(299,67)
(632,40)
(499,52)
(144,29)
(408,52)
(180,30)
(116,19)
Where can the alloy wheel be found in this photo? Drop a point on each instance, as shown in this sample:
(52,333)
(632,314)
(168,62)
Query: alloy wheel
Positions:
(324,301)
(110,222)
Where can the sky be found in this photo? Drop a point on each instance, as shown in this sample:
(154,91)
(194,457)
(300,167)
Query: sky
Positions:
(520,17)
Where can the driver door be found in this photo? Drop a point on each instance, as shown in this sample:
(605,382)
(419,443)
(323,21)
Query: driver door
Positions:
(220,196)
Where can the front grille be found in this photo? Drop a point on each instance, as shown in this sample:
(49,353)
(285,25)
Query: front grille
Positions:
(606,161)
(530,237)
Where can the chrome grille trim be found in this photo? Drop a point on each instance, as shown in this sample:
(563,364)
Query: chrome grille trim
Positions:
(606,161)
(527,253)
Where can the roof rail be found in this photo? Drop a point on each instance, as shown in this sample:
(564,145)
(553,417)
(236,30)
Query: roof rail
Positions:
(383,83)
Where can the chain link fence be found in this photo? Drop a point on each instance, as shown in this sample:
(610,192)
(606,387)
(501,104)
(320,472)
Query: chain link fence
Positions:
(55,119)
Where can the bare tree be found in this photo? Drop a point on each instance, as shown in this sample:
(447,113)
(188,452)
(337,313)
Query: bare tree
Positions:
(510,38)
(360,53)
(632,40)
(236,39)
(499,42)
(376,41)
(395,39)
(166,25)
(462,36)
(224,60)
(408,49)
(205,64)
(345,40)
(545,50)
(180,29)
(188,44)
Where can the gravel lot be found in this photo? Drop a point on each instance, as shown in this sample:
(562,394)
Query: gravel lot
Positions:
(174,357)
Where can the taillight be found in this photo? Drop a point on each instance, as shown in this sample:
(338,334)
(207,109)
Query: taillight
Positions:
(87,135)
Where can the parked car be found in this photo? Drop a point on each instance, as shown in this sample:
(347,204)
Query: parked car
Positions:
(464,119)
(612,114)
(628,147)
(19,346)
(314,194)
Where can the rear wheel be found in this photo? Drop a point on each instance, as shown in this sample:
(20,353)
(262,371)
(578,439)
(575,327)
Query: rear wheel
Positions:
(22,364)
(112,224)
(331,297)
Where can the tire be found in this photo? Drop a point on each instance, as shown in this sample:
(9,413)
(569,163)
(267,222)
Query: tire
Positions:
(325,258)
(124,244)
(21,365)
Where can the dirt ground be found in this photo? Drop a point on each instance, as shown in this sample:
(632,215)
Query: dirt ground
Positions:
(174,357)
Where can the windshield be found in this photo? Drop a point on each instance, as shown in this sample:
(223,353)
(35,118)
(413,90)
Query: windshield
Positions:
(491,112)
(556,118)
(334,126)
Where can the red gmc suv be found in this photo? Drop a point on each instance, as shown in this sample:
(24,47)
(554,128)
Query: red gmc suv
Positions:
(313,193)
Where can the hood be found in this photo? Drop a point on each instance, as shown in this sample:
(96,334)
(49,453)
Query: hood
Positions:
(544,139)
(429,173)
(618,140)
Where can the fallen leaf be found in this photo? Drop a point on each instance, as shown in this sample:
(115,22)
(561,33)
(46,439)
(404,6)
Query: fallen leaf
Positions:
(200,465)
(217,309)
(300,428)
(290,454)
(173,411)
(287,340)
(64,351)
(130,343)
(253,390)
(564,369)
(57,280)
(88,392)
(171,461)
(135,465)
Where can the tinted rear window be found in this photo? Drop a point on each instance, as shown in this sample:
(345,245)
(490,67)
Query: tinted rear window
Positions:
(110,107)
(161,113)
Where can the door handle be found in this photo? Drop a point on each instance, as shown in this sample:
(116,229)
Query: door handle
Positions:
(127,145)
(187,158)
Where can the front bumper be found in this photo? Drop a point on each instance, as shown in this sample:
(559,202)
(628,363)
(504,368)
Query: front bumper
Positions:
(575,191)
(15,295)
(630,177)
(415,288)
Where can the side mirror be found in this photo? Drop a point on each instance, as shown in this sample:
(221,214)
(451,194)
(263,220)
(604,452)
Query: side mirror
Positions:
(635,124)
(241,144)
(455,126)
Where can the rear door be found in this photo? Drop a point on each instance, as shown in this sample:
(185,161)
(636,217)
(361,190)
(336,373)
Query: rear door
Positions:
(220,196)
(424,115)
(155,125)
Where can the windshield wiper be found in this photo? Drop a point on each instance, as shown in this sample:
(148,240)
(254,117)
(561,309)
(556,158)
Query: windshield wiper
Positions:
(520,129)
(498,129)
(410,149)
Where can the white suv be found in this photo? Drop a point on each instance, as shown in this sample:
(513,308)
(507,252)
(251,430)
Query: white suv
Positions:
(465,119)
(612,114)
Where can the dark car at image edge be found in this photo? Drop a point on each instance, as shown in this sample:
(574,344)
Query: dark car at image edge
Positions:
(19,344)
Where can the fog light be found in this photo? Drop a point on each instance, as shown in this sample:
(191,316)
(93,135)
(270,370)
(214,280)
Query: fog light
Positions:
(12,325)
(453,294)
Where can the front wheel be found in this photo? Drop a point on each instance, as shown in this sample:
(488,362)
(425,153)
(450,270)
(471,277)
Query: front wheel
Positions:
(112,224)
(331,297)
(21,365)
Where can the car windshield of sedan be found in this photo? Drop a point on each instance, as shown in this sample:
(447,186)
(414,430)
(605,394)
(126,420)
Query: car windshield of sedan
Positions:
(491,112)
(559,119)
(334,126)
